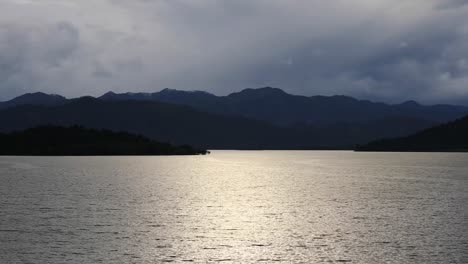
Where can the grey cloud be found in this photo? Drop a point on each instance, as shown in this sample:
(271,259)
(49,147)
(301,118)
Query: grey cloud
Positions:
(29,53)
(381,49)
(448,4)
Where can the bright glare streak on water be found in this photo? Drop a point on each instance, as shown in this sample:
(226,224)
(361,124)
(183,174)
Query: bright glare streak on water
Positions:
(236,206)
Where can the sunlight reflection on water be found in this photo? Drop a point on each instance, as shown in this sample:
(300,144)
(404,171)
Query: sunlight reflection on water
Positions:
(236,206)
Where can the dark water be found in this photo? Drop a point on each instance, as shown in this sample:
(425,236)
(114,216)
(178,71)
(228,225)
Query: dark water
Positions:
(234,206)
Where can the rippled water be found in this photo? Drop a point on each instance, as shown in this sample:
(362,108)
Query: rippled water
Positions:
(236,206)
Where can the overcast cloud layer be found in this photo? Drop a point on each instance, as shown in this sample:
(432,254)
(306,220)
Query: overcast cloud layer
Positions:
(385,50)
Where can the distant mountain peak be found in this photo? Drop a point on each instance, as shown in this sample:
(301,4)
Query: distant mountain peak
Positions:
(37,98)
(110,96)
(410,103)
(266,89)
(260,92)
(168,90)
(33,94)
(172,91)
(343,98)
(110,93)
(38,95)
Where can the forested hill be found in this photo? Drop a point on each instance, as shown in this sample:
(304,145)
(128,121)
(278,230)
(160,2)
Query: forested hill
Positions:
(451,136)
(79,141)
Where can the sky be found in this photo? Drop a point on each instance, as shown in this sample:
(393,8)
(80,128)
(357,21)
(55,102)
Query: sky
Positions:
(382,50)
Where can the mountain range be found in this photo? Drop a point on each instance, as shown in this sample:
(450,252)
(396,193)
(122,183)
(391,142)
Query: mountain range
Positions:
(277,107)
(264,118)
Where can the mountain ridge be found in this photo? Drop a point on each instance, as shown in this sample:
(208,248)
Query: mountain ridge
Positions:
(261,118)
(37,98)
(277,107)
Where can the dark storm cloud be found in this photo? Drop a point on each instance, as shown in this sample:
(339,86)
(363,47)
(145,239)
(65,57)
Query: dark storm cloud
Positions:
(378,49)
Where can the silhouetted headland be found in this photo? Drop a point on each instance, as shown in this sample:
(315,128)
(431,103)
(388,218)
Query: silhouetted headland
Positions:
(449,137)
(79,141)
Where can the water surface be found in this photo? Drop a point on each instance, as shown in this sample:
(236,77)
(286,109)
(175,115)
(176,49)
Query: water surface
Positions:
(236,206)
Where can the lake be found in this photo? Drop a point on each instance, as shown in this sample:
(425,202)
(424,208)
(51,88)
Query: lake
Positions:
(236,207)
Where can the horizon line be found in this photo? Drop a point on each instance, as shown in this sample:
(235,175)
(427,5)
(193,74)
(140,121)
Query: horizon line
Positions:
(236,92)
